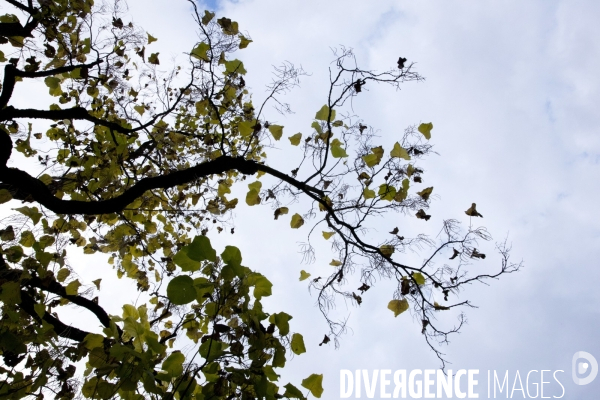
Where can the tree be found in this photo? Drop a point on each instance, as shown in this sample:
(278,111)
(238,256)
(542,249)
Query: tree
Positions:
(142,165)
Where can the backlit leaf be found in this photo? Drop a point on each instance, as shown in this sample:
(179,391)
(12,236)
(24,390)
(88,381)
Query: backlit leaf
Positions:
(399,152)
(297,344)
(297,221)
(72,288)
(295,139)
(276,131)
(153,59)
(425,129)
(62,274)
(262,286)
(323,114)
(386,192)
(425,193)
(181,290)
(200,52)
(173,365)
(31,212)
(398,306)
(337,151)
(374,157)
(387,250)
(5,196)
(232,256)
(327,235)
(281,320)
(304,275)
(314,383)
(419,278)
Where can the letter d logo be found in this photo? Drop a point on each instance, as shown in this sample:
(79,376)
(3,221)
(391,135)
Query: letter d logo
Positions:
(582,367)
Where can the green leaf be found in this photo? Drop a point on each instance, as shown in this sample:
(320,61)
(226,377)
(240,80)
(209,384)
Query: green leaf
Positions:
(323,114)
(276,131)
(425,129)
(215,347)
(297,344)
(337,151)
(252,197)
(8,234)
(304,275)
(27,239)
(292,392)
(140,109)
(187,264)
(327,235)
(10,293)
(72,288)
(244,41)
(425,193)
(387,250)
(398,306)
(130,311)
(93,340)
(181,290)
(294,140)
(403,192)
(281,320)
(153,59)
(262,286)
(5,196)
(399,152)
(234,66)
(317,127)
(314,383)
(208,16)
(386,192)
(173,365)
(62,274)
(31,212)
(200,52)
(297,221)
(14,253)
(232,256)
(151,38)
(54,85)
(374,158)
(419,278)
(200,249)
(368,193)
(335,263)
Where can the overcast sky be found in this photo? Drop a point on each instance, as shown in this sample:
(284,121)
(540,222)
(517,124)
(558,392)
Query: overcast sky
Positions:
(512,90)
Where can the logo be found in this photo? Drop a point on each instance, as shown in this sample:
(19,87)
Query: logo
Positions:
(583,362)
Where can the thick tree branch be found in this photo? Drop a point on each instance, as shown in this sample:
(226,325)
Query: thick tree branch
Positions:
(77,113)
(42,194)
(58,289)
(61,329)
(11,72)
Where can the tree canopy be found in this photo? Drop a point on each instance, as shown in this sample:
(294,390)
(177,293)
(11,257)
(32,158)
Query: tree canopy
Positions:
(141,161)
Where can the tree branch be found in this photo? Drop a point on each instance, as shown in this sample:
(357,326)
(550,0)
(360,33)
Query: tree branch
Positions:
(61,329)
(10,72)
(40,193)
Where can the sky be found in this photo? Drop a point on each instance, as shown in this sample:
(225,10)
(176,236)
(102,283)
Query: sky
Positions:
(512,90)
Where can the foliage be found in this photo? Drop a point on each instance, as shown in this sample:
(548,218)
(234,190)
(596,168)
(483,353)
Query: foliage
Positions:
(140,165)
